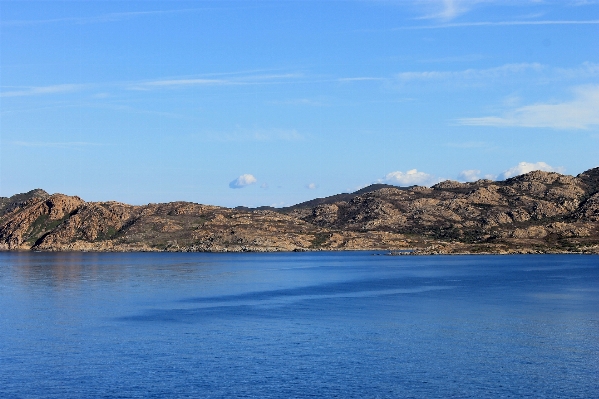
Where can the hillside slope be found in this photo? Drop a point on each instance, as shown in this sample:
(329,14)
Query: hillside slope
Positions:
(535,212)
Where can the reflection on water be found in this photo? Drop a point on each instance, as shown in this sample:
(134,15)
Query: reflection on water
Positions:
(69,269)
(297,325)
(52,269)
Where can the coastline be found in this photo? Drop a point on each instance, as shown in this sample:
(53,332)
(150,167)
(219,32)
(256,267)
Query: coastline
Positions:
(538,212)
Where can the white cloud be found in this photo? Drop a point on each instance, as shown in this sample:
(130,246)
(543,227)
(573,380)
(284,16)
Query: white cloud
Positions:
(469,175)
(251,79)
(409,178)
(243,181)
(359,79)
(470,74)
(448,9)
(580,113)
(540,72)
(525,167)
(585,70)
(39,90)
(264,185)
(186,82)
(311,186)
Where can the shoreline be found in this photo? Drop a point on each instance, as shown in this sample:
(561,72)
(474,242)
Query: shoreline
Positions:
(383,251)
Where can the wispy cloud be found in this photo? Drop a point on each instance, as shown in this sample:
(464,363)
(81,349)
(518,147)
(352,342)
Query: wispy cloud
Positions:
(185,82)
(580,113)
(448,9)
(499,23)
(41,90)
(456,59)
(225,79)
(585,70)
(235,80)
(488,73)
(47,144)
(109,17)
(178,83)
(359,79)
(540,72)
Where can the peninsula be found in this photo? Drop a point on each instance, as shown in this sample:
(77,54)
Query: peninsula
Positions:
(538,212)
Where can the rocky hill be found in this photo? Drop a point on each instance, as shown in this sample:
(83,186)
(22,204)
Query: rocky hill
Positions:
(532,213)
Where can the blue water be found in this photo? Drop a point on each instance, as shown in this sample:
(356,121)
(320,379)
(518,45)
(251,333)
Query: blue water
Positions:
(347,325)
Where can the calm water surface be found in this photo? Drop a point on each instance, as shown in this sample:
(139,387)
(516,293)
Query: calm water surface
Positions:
(86,325)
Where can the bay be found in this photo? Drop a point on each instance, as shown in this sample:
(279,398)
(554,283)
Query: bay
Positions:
(319,324)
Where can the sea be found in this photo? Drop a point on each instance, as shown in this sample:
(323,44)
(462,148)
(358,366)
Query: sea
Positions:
(298,325)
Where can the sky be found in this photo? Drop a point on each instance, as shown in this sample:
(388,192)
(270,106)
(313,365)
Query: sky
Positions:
(274,103)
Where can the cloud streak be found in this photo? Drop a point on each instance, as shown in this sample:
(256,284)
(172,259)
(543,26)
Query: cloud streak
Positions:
(449,9)
(499,23)
(110,17)
(187,82)
(359,79)
(45,144)
(471,73)
(580,113)
(41,90)
(156,84)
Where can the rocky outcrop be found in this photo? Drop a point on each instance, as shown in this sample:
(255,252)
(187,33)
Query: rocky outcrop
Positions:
(535,212)
(32,221)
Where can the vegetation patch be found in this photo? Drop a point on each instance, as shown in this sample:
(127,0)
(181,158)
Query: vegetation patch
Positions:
(41,226)
(320,239)
(109,234)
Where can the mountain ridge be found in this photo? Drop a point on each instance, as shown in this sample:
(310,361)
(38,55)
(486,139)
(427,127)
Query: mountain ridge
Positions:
(538,212)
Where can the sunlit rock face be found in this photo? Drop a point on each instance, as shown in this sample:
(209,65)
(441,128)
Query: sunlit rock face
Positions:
(535,212)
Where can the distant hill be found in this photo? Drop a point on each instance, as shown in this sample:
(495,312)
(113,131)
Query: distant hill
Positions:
(9,203)
(321,201)
(538,212)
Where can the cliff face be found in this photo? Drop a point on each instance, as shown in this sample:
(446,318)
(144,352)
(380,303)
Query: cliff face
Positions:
(535,212)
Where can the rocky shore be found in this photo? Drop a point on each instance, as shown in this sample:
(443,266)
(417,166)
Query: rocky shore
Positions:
(539,212)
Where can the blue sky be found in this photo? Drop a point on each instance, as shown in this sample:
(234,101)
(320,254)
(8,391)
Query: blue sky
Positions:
(273,103)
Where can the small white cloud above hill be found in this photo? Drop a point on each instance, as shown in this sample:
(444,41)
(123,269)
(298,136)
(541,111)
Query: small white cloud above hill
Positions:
(410,178)
(469,175)
(243,181)
(525,167)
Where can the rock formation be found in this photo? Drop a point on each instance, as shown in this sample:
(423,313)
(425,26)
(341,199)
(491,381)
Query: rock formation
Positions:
(533,213)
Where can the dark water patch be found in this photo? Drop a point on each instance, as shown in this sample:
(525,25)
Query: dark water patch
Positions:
(269,304)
